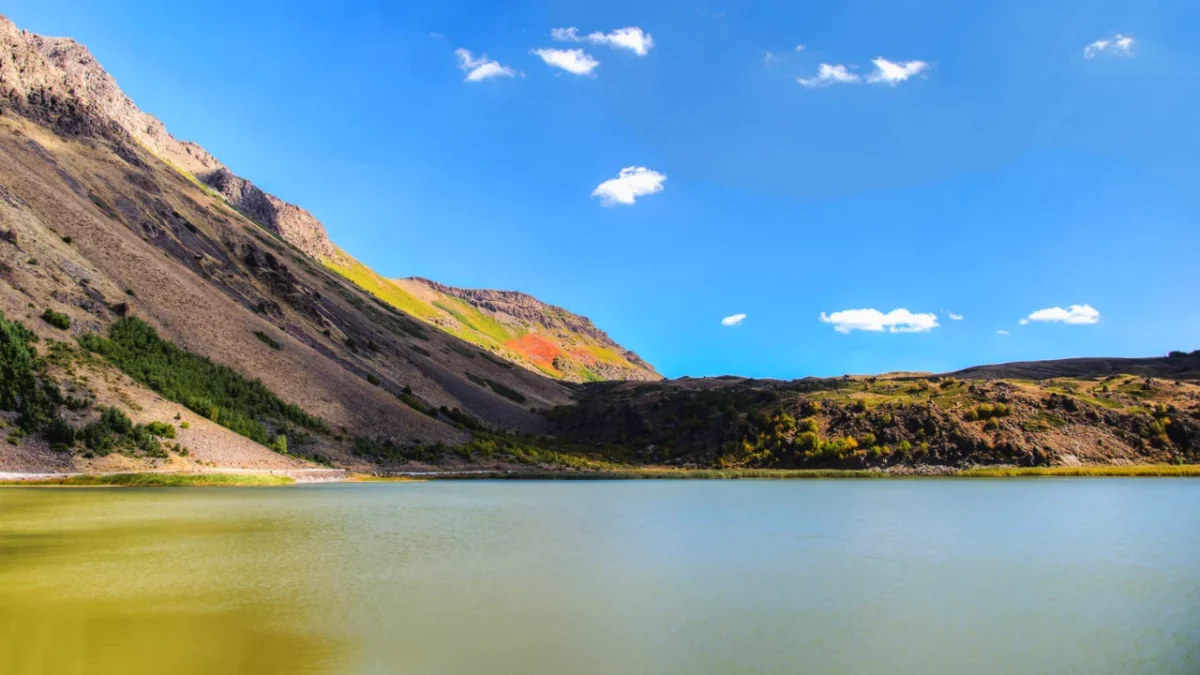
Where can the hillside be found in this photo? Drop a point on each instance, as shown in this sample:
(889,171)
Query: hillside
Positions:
(57,81)
(96,224)
(894,423)
(525,330)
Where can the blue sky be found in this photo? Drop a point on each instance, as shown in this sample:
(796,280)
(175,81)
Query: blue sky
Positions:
(1008,173)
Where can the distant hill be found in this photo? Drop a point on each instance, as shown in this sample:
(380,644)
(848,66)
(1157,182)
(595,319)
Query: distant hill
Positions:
(525,330)
(1178,366)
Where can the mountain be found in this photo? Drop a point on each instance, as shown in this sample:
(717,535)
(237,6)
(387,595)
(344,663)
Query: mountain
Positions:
(102,217)
(159,311)
(527,331)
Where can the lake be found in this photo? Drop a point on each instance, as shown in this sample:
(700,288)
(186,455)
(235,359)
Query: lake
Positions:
(1089,576)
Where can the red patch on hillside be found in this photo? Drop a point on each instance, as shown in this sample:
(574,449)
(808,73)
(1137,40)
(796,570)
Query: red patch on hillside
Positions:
(584,355)
(536,348)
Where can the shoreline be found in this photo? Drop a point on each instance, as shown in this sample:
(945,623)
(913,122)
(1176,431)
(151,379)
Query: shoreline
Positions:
(254,477)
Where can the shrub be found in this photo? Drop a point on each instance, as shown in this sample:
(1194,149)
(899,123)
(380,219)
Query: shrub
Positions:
(56,319)
(267,340)
(462,418)
(59,433)
(161,429)
(506,392)
(21,389)
(986,411)
(373,379)
(241,405)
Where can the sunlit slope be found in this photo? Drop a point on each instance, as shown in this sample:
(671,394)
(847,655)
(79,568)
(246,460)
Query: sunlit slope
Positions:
(513,326)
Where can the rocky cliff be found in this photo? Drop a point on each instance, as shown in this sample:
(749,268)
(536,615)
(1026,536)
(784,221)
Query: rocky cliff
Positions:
(58,82)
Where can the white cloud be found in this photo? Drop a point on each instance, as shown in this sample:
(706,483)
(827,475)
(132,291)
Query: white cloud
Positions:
(1001,332)
(799,48)
(895,321)
(734,320)
(481,68)
(827,74)
(888,72)
(631,183)
(954,317)
(1076,314)
(769,59)
(632,38)
(565,34)
(1119,45)
(574,61)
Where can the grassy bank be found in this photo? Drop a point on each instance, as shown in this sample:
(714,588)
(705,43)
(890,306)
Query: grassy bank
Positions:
(797,474)
(156,480)
(250,479)
(1106,470)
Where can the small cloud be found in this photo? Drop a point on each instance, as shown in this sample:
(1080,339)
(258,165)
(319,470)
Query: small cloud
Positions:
(769,59)
(1075,314)
(632,38)
(436,36)
(895,321)
(631,183)
(1118,45)
(954,317)
(565,34)
(734,320)
(482,68)
(888,72)
(1001,332)
(574,61)
(827,74)
(799,48)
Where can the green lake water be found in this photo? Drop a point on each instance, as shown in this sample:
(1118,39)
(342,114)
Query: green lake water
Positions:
(1089,576)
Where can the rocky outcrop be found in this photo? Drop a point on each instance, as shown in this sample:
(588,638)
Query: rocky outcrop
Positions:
(57,82)
(295,225)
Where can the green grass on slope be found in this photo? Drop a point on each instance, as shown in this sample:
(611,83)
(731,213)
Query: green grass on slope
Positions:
(215,391)
(370,281)
(157,480)
(471,317)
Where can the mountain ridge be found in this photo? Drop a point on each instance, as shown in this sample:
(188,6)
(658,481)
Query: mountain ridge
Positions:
(549,338)
(58,80)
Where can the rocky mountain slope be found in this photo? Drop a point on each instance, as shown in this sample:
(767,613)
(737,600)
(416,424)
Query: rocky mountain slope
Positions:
(527,331)
(98,221)
(57,81)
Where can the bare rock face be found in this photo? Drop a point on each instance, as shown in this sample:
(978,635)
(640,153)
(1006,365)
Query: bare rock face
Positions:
(58,82)
(294,224)
(55,76)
